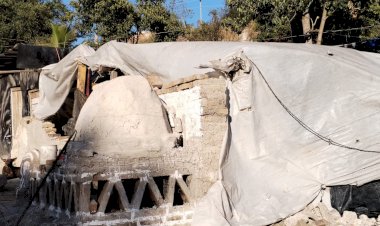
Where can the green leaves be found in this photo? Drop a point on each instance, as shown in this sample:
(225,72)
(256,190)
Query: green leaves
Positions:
(61,36)
(28,21)
(119,19)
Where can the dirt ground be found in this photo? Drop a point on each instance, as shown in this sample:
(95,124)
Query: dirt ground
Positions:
(11,208)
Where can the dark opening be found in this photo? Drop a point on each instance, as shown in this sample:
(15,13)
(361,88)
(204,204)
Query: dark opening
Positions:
(147,201)
(114,202)
(129,187)
(178,195)
(161,183)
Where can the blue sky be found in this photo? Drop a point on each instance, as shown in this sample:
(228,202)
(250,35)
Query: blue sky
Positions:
(193,5)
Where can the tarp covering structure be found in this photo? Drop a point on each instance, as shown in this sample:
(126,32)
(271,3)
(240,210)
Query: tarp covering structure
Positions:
(302,117)
(56,81)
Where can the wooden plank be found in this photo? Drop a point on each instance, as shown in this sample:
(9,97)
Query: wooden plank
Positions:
(113,74)
(33,97)
(6,72)
(185,189)
(76,196)
(81,78)
(105,196)
(122,195)
(66,195)
(71,197)
(42,195)
(84,197)
(169,196)
(50,191)
(155,192)
(16,117)
(139,193)
(58,193)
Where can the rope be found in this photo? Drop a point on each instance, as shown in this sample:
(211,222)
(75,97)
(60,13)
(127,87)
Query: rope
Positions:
(308,128)
(62,152)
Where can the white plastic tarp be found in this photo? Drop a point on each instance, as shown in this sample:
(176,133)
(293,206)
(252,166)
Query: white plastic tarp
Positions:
(291,106)
(56,81)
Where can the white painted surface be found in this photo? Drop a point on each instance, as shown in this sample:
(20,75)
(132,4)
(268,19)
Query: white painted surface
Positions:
(186,105)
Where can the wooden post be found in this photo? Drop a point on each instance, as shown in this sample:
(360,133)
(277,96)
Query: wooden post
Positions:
(169,196)
(16,111)
(122,195)
(105,196)
(155,192)
(185,190)
(139,193)
(84,197)
(81,78)
(113,74)
(33,96)
(58,188)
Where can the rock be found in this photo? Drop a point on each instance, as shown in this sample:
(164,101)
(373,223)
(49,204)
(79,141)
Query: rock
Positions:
(349,216)
(363,217)
(322,223)
(3,181)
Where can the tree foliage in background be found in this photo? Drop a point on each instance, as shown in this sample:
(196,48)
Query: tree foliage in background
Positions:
(61,36)
(120,19)
(306,20)
(155,17)
(28,21)
(110,19)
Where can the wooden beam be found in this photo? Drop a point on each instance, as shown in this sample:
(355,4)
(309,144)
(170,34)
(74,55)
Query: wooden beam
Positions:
(71,197)
(42,194)
(16,114)
(84,197)
(66,195)
(58,193)
(139,193)
(122,195)
(105,196)
(81,78)
(169,196)
(155,192)
(185,189)
(113,74)
(33,97)
(50,191)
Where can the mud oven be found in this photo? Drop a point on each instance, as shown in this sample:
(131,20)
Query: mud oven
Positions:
(158,188)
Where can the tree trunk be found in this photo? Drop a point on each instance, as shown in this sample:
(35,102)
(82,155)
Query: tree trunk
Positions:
(322,25)
(306,27)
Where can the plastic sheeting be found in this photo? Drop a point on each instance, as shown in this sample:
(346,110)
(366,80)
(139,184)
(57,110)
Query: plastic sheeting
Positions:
(57,79)
(302,117)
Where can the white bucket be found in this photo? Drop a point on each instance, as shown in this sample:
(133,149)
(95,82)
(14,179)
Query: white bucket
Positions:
(47,152)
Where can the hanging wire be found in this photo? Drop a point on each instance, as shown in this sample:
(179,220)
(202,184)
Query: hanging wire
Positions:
(299,121)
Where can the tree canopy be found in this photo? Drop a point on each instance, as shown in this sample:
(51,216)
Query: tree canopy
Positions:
(307,20)
(28,21)
(312,21)
(120,19)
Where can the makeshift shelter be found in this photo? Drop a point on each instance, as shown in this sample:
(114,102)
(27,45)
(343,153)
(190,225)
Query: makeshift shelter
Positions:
(301,118)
